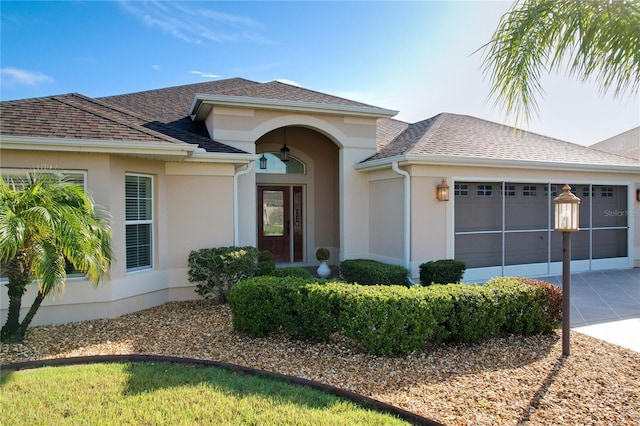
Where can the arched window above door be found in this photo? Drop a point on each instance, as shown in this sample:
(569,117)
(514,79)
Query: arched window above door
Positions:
(269,162)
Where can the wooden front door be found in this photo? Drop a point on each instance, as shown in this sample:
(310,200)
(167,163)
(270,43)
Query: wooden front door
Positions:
(274,223)
(280,222)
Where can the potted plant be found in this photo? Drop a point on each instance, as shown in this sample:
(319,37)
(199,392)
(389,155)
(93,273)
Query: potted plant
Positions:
(323,254)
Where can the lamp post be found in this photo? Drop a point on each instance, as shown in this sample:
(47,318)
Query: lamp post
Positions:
(566,221)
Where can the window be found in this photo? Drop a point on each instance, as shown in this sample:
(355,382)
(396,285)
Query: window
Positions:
(607,191)
(275,166)
(461,190)
(554,191)
(529,191)
(139,221)
(19,179)
(509,190)
(484,190)
(585,192)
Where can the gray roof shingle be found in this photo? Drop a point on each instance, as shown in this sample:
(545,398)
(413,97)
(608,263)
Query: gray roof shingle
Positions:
(452,135)
(626,143)
(72,116)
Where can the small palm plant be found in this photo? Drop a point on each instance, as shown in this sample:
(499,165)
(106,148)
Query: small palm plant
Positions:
(46,221)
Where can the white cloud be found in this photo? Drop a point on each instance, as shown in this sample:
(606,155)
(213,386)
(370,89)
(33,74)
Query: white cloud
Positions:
(195,25)
(17,77)
(204,74)
(155,67)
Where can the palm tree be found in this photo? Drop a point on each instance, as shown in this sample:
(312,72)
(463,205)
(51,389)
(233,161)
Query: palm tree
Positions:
(590,40)
(45,222)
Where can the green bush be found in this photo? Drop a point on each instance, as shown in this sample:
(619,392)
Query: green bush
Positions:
(292,272)
(542,304)
(444,271)
(266,264)
(216,270)
(372,272)
(292,305)
(389,320)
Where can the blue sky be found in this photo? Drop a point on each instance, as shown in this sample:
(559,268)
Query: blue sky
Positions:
(415,57)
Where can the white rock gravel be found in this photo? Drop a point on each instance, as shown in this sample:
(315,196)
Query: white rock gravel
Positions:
(513,380)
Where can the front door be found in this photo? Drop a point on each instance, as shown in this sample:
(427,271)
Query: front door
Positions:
(276,232)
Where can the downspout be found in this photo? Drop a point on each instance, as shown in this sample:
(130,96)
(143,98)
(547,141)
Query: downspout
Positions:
(236,212)
(407,219)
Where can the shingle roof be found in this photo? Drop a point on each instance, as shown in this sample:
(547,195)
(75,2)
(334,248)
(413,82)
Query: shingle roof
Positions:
(78,117)
(626,143)
(72,116)
(171,105)
(287,92)
(452,135)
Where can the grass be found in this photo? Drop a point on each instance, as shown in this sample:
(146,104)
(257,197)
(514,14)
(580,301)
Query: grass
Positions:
(168,394)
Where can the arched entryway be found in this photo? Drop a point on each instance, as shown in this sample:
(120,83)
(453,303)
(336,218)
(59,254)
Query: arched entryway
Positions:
(298,200)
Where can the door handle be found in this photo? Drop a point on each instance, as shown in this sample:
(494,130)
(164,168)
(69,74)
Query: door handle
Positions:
(288,227)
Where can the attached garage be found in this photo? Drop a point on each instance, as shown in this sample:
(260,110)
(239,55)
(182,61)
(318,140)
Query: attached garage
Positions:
(506,228)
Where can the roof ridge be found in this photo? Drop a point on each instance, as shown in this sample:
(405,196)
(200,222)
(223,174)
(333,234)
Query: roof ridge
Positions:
(160,89)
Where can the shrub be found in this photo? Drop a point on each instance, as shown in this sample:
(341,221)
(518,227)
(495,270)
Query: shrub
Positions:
(294,306)
(444,271)
(372,272)
(323,254)
(292,272)
(216,270)
(266,264)
(525,306)
(553,295)
(389,320)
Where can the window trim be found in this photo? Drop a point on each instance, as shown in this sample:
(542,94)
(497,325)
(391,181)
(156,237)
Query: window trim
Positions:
(150,222)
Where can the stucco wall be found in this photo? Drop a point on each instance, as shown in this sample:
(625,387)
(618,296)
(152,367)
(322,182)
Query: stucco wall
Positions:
(355,137)
(386,210)
(193,208)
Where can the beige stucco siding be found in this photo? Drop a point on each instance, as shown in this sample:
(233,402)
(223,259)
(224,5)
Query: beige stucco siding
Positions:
(386,231)
(193,208)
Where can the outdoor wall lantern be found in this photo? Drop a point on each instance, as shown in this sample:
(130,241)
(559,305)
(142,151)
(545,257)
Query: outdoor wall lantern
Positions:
(566,221)
(638,195)
(263,162)
(442,191)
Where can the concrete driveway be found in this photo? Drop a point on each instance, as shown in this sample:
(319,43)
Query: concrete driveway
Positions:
(606,305)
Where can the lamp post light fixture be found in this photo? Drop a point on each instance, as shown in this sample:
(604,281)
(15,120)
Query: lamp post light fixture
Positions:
(442,191)
(263,162)
(567,207)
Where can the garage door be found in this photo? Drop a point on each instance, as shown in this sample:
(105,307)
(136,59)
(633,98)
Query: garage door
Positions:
(504,228)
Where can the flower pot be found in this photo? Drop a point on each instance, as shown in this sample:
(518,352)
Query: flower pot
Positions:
(323,270)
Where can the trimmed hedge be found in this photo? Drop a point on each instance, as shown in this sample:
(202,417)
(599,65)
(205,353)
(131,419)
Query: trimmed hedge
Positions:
(216,270)
(444,271)
(292,272)
(390,320)
(372,272)
(264,305)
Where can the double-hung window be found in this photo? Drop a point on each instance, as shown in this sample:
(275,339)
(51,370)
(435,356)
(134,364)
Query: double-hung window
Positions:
(139,221)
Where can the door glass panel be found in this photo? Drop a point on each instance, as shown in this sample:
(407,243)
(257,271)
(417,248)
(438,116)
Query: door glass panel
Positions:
(273,213)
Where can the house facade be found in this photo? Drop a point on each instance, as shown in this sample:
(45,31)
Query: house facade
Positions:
(200,165)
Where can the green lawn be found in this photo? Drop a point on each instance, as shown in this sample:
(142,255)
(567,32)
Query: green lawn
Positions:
(169,394)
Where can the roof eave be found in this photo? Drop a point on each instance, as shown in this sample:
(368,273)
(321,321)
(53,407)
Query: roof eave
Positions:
(155,150)
(203,103)
(383,163)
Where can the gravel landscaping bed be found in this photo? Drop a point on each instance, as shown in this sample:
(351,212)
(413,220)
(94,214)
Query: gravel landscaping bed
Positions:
(504,381)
